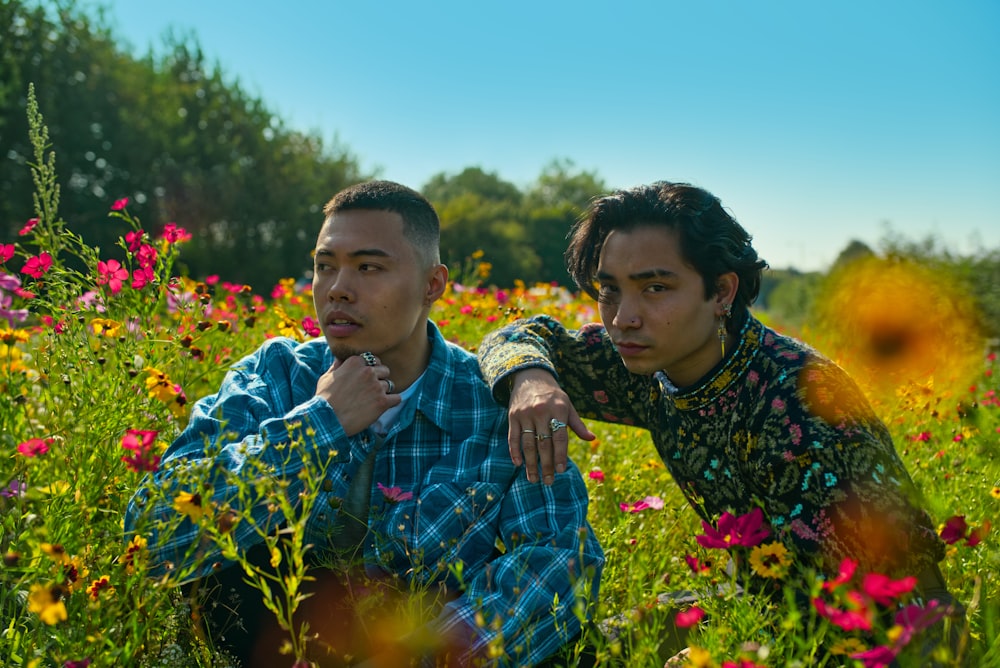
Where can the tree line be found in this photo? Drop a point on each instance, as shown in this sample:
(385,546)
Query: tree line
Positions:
(188,145)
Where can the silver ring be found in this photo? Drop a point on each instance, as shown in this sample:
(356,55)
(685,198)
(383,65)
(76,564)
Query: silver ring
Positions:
(369,359)
(556,425)
(389,386)
(542,437)
(527,431)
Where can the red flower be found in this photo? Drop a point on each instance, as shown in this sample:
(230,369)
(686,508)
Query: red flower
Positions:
(394,494)
(111,273)
(30,225)
(954,529)
(844,575)
(34,447)
(597,475)
(120,204)
(856,616)
(6,252)
(745,530)
(695,565)
(37,266)
(134,239)
(689,617)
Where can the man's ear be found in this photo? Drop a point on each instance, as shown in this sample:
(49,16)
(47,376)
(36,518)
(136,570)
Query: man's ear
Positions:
(437,282)
(726,287)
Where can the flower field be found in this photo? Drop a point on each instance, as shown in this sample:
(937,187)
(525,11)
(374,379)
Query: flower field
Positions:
(102,351)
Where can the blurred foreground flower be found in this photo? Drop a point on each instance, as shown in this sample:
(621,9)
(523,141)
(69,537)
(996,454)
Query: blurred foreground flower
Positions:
(897,322)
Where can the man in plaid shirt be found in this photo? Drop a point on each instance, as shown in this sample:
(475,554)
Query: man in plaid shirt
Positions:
(417,484)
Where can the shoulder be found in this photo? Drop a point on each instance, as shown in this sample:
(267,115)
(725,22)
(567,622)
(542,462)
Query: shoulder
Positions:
(282,351)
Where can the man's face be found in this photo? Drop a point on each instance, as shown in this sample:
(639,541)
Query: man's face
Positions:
(371,290)
(653,305)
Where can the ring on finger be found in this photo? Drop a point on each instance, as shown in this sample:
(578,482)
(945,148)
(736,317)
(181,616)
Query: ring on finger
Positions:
(369,359)
(556,425)
(542,437)
(389,386)
(527,431)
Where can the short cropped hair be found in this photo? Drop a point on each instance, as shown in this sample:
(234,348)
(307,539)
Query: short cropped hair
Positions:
(711,240)
(421,225)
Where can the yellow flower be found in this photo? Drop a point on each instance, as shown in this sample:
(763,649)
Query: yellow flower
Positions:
(995,492)
(103,326)
(134,553)
(848,646)
(46,602)
(189,504)
(159,385)
(56,553)
(286,325)
(74,573)
(8,335)
(770,560)
(102,583)
(699,658)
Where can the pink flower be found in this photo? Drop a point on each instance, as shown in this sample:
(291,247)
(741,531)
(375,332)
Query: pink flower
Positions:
(394,494)
(34,447)
(134,239)
(844,575)
(37,266)
(597,475)
(311,327)
(120,204)
(922,436)
(111,273)
(140,444)
(654,502)
(746,530)
(876,657)
(884,590)
(695,565)
(173,234)
(6,252)
(954,529)
(689,617)
(857,614)
(30,225)
(142,277)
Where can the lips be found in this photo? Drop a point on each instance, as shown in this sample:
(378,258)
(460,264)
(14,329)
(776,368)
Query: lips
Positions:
(628,349)
(340,324)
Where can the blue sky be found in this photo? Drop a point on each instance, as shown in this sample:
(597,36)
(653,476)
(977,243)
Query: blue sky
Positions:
(815,123)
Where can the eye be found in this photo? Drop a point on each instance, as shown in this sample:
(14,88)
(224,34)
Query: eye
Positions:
(365,267)
(607,294)
(656,287)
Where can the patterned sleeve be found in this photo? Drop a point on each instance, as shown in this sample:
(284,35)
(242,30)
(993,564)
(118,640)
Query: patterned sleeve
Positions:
(585,362)
(261,403)
(835,485)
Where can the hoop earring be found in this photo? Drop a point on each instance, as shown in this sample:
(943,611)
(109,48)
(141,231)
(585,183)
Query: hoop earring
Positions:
(727,312)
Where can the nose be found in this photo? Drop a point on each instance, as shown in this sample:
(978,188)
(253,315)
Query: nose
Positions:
(626,315)
(340,289)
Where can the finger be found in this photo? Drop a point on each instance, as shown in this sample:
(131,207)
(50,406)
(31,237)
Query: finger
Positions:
(529,446)
(514,443)
(560,449)
(546,448)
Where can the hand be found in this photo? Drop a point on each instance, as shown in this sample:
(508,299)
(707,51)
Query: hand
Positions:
(358,393)
(535,401)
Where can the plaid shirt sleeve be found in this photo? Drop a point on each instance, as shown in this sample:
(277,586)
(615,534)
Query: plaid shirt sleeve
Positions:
(260,400)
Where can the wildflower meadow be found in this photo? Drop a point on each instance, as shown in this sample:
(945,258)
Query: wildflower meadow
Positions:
(102,351)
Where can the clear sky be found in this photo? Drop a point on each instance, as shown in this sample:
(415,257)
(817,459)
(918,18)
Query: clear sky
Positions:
(814,122)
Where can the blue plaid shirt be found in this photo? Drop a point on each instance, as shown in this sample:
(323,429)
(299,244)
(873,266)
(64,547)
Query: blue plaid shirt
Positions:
(448,448)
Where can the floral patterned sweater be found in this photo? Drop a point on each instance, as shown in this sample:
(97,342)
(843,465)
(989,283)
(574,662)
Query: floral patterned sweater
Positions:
(775,425)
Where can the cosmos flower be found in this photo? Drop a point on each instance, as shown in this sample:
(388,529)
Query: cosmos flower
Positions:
(394,494)
(34,446)
(189,504)
(746,530)
(46,601)
(689,617)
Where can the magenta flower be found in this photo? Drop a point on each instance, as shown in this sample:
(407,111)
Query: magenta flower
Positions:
(654,502)
(30,225)
(310,326)
(120,204)
(37,265)
(689,617)
(6,252)
(876,657)
(954,529)
(173,234)
(141,445)
(884,590)
(746,530)
(113,274)
(34,446)
(597,475)
(134,239)
(856,615)
(394,494)
(695,564)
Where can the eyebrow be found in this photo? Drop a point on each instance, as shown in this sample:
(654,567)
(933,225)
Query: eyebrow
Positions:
(640,276)
(361,252)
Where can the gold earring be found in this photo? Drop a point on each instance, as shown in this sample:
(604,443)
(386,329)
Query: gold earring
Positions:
(727,311)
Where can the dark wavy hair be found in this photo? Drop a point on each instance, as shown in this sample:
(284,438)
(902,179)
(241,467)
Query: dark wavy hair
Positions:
(711,240)
(420,221)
